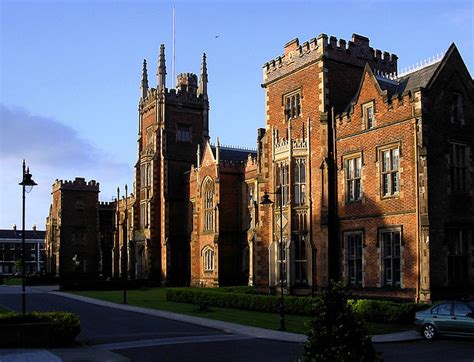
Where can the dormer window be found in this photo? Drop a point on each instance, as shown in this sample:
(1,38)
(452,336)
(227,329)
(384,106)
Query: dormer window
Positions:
(457,115)
(292,105)
(368,115)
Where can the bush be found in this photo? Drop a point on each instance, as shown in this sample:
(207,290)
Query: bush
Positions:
(64,326)
(246,298)
(229,299)
(386,311)
(336,332)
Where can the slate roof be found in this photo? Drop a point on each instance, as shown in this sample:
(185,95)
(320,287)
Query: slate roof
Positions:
(233,154)
(11,234)
(417,79)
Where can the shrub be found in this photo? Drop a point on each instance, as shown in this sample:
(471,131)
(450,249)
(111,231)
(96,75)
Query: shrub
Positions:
(386,311)
(64,326)
(249,301)
(336,332)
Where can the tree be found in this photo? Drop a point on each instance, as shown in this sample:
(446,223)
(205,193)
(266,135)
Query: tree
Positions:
(336,333)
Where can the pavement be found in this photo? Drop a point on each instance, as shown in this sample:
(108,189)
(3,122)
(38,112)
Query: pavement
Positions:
(104,352)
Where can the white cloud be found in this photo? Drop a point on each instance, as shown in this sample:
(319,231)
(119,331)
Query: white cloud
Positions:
(53,150)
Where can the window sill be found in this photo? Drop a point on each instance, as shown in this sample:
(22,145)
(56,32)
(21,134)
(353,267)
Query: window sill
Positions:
(388,197)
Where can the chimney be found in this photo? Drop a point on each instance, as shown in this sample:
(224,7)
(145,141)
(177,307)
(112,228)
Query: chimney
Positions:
(14,227)
(34,227)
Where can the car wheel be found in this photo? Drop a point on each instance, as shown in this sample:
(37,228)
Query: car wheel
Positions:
(429,332)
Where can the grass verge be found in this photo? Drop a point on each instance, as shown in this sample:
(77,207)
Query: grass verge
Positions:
(12,281)
(155,298)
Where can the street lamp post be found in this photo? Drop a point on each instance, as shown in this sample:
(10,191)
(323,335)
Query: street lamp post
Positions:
(27,184)
(266,201)
(125,251)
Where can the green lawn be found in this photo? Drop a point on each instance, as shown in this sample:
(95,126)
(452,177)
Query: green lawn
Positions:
(12,281)
(154,298)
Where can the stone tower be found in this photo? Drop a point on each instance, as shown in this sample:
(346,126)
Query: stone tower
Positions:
(72,242)
(172,123)
(303,87)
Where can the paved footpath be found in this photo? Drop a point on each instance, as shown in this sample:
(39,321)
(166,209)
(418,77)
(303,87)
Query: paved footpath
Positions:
(117,332)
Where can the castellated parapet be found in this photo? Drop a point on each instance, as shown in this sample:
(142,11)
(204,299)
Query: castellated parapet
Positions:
(356,51)
(79,184)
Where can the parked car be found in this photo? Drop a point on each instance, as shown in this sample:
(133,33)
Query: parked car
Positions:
(450,318)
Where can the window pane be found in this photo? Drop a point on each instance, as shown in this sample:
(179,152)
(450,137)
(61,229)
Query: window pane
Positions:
(461,310)
(385,185)
(395,159)
(386,161)
(444,309)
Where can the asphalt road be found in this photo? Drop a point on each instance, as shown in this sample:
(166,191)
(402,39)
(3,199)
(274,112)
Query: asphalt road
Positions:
(143,337)
(148,338)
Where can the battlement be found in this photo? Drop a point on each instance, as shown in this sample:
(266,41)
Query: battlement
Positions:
(356,51)
(107,205)
(79,184)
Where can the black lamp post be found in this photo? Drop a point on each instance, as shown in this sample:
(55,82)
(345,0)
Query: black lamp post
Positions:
(266,201)
(125,251)
(27,184)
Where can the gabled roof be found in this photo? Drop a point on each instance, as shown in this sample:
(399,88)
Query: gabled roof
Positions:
(420,78)
(16,234)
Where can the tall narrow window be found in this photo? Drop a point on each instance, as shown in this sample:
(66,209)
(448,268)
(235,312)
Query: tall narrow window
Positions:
(457,115)
(282,181)
(149,137)
(292,104)
(390,172)
(457,256)
(458,169)
(353,179)
(300,259)
(282,260)
(368,115)
(183,133)
(148,175)
(209,206)
(391,243)
(208,259)
(299,174)
(354,258)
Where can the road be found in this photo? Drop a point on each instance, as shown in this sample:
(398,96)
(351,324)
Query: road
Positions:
(143,337)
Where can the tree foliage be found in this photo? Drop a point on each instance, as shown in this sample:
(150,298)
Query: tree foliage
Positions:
(336,333)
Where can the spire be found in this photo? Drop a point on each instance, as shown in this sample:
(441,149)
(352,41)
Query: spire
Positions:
(144,87)
(203,79)
(217,150)
(161,69)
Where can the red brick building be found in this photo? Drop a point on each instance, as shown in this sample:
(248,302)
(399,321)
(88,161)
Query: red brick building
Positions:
(375,171)
(216,221)
(72,242)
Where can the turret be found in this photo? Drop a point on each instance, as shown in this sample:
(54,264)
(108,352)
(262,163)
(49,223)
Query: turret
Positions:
(144,86)
(203,79)
(161,69)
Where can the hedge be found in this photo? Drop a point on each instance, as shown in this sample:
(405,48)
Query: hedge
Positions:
(225,299)
(386,311)
(64,326)
(369,310)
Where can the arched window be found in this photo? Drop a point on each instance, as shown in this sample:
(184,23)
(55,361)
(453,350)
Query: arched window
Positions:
(208,259)
(208,192)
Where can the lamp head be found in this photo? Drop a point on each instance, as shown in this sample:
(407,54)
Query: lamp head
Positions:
(28,182)
(266,199)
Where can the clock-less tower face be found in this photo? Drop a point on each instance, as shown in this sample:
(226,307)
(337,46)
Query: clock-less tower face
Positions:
(172,123)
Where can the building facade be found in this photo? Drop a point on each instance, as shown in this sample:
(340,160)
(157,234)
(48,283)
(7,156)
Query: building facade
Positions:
(11,251)
(72,228)
(373,170)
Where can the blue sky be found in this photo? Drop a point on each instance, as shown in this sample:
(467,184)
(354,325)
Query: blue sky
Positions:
(70,73)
